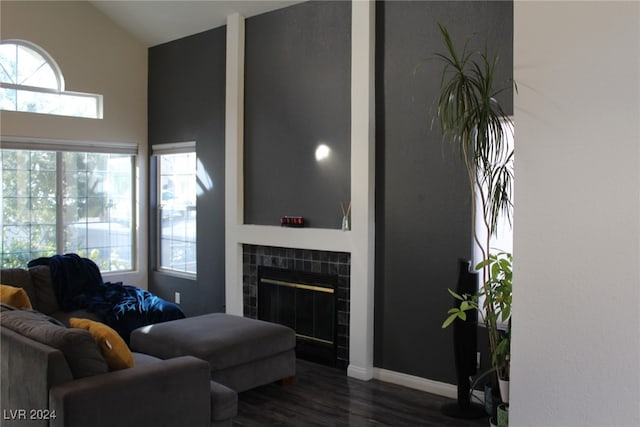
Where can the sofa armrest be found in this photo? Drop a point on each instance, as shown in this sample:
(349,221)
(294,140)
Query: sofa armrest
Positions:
(173,392)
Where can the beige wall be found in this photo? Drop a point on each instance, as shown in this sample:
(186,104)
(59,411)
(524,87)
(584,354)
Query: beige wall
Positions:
(95,56)
(575,358)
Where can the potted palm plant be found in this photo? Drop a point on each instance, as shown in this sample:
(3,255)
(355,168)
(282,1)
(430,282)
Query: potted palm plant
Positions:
(473,122)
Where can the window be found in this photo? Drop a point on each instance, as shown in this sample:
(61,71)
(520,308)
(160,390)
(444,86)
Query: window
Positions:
(177,208)
(31,81)
(65,201)
(503,239)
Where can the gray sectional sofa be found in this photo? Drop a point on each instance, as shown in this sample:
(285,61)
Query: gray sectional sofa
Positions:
(36,281)
(52,375)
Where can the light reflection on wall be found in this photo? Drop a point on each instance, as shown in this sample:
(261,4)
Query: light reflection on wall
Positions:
(322,152)
(204,182)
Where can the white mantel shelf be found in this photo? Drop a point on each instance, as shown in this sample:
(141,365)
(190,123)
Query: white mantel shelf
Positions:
(290,237)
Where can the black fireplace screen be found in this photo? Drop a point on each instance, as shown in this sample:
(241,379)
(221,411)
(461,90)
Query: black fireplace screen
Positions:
(306,302)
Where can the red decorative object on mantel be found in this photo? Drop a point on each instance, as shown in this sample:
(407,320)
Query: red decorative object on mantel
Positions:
(292,221)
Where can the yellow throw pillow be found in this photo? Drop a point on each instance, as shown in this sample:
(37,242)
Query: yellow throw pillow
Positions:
(111,345)
(16,297)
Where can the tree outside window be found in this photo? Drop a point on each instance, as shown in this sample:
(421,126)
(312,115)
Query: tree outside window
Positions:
(177,212)
(59,202)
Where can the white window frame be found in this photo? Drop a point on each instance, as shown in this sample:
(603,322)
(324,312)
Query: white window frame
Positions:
(156,151)
(41,144)
(60,90)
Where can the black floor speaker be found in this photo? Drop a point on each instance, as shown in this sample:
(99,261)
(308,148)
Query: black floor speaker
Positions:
(465,348)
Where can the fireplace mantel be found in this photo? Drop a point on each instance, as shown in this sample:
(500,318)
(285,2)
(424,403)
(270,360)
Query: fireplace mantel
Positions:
(296,238)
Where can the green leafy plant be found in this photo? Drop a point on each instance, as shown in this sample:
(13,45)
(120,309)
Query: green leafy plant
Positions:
(473,122)
(500,265)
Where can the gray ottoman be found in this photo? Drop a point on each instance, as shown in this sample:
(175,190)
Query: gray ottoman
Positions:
(243,353)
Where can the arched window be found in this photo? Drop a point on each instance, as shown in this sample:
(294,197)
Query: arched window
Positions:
(31,81)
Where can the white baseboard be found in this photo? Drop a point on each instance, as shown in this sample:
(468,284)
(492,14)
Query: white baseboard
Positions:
(419,383)
(360,373)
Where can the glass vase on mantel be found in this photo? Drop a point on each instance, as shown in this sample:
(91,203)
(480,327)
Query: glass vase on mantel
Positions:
(346,220)
(346,224)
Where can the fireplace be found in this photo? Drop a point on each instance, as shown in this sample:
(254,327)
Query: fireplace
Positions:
(319,269)
(305,302)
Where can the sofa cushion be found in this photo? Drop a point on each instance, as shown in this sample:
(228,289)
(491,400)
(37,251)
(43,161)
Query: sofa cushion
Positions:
(21,278)
(16,297)
(46,298)
(77,345)
(111,345)
(6,307)
(65,316)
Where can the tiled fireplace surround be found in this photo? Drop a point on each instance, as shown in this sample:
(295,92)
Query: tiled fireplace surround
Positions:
(308,261)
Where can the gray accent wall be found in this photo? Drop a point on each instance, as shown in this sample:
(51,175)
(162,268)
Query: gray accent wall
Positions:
(297,96)
(423,212)
(186,103)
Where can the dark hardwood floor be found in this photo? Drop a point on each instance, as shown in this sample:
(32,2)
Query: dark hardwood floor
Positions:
(322,396)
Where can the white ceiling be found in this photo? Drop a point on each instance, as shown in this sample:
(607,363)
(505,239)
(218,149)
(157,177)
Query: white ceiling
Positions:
(154,22)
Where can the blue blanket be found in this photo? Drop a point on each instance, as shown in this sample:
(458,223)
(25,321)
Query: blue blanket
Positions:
(78,284)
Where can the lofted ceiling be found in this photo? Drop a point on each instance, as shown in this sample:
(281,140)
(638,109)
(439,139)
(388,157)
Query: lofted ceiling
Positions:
(155,22)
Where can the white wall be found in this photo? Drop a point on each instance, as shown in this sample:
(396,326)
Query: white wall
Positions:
(576,321)
(95,56)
